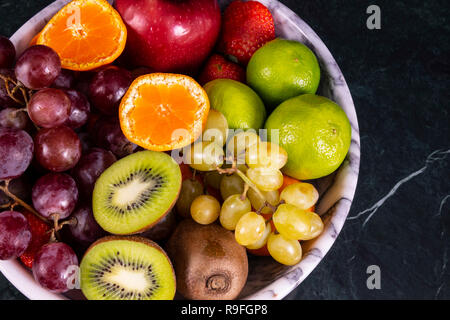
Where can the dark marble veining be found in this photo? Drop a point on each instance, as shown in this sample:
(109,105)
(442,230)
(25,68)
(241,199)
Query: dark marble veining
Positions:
(399,80)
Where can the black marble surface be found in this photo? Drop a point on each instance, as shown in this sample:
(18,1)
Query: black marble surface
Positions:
(399,79)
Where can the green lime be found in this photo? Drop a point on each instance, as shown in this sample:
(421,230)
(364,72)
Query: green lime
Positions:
(314,131)
(283,69)
(242,107)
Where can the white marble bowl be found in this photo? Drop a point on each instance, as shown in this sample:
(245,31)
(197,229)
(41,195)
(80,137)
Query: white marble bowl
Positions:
(267,279)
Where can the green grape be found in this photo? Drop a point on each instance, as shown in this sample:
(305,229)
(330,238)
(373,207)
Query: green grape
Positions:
(241,141)
(204,156)
(301,195)
(213,179)
(316,226)
(266,179)
(231,184)
(190,189)
(292,222)
(233,208)
(250,228)
(216,128)
(205,209)
(242,167)
(261,242)
(266,154)
(285,251)
(272,197)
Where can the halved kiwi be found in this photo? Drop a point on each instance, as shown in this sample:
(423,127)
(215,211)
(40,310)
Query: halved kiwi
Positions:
(127,268)
(136,192)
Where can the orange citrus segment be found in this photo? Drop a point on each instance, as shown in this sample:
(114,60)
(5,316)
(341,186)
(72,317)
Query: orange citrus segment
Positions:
(34,40)
(163,111)
(86,34)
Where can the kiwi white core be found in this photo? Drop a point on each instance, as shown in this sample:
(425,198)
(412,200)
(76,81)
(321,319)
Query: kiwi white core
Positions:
(132,280)
(131,192)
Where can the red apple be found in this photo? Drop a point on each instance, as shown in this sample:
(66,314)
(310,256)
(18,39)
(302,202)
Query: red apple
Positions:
(170,35)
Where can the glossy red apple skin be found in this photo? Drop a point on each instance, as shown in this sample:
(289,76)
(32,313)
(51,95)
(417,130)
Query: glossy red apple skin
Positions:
(170,35)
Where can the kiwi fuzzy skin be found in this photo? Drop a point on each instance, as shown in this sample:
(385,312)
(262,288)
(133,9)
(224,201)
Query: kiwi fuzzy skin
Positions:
(209,263)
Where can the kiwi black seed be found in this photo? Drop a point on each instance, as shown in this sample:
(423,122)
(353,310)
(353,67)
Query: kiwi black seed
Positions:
(136,192)
(127,268)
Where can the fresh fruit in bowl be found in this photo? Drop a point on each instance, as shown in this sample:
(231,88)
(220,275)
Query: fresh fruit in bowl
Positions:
(283,69)
(77,32)
(170,36)
(128,161)
(315,132)
(225,94)
(127,268)
(246,27)
(136,192)
(176,101)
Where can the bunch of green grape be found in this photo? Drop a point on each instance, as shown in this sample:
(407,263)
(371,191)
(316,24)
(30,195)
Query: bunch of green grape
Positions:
(253,207)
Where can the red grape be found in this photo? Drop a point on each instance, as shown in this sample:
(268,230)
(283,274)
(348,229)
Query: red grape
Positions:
(65,80)
(86,230)
(90,167)
(7,53)
(38,67)
(57,149)
(14,118)
(20,187)
(163,229)
(55,193)
(15,234)
(79,113)
(82,82)
(55,266)
(107,134)
(16,152)
(5,99)
(85,140)
(140,71)
(108,87)
(49,108)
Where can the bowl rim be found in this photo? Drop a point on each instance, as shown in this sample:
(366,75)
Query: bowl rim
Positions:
(22,278)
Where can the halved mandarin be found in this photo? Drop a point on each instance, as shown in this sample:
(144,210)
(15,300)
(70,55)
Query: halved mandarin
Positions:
(34,40)
(86,34)
(163,111)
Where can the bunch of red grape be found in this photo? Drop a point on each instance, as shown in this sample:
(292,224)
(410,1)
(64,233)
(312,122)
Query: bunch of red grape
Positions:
(51,138)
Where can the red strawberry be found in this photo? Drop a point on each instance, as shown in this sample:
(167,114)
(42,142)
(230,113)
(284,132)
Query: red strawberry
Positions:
(217,67)
(246,26)
(39,237)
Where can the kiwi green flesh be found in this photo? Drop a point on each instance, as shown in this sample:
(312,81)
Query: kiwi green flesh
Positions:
(127,268)
(136,192)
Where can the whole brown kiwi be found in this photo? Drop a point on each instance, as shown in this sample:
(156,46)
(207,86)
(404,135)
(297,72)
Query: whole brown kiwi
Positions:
(209,264)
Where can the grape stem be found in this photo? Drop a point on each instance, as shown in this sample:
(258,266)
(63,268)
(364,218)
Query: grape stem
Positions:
(12,93)
(271,207)
(58,226)
(250,183)
(242,175)
(244,194)
(6,205)
(18,201)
